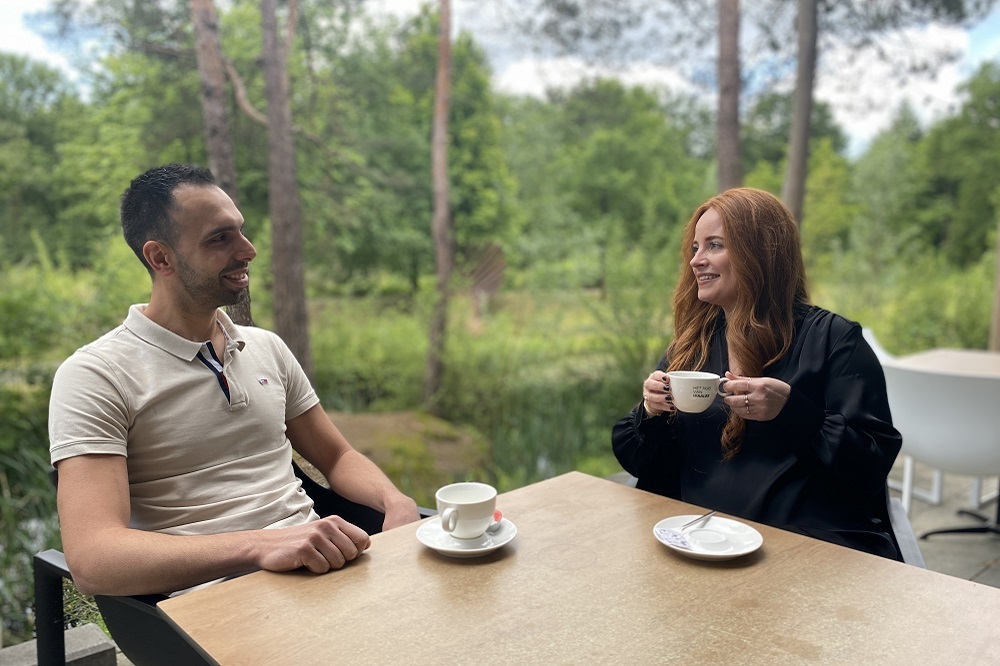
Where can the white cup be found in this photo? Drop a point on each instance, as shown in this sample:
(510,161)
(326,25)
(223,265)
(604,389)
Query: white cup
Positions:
(692,391)
(466,509)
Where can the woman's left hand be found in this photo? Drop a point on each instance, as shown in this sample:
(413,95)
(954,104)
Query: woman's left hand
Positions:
(756,398)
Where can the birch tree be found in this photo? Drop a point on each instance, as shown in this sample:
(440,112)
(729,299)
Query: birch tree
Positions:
(218,138)
(290,316)
(441,220)
(728,153)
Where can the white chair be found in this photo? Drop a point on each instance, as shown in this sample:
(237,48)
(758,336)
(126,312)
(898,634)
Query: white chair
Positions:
(948,421)
(932,495)
(880,351)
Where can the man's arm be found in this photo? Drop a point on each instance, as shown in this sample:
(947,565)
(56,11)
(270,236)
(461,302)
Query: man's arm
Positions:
(350,473)
(106,556)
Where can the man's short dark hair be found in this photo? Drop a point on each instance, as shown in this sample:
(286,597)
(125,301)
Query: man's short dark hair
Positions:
(149,200)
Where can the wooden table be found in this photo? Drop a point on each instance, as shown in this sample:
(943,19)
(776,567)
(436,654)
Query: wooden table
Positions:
(954,361)
(585,581)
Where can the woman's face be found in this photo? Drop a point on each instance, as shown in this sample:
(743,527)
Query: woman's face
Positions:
(710,262)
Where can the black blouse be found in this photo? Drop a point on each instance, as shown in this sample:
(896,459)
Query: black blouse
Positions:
(819,468)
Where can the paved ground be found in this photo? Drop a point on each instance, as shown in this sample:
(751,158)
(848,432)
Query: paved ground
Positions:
(974,557)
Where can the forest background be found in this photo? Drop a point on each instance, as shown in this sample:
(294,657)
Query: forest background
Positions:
(566,210)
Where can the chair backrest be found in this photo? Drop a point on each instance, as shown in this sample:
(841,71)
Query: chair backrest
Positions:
(949,421)
(880,351)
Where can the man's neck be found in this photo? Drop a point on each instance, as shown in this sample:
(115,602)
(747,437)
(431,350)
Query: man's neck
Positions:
(194,325)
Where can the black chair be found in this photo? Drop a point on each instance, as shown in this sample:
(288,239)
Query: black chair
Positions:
(143,636)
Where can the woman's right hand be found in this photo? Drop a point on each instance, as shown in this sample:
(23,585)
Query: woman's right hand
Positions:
(656,398)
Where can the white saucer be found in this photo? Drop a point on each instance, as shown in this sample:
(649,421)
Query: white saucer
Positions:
(431,535)
(717,538)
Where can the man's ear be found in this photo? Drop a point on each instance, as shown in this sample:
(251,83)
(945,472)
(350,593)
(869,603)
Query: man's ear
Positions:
(158,256)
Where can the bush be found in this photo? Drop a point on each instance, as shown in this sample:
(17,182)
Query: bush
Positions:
(27,495)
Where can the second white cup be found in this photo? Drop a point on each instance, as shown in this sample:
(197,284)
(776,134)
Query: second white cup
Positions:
(466,508)
(693,391)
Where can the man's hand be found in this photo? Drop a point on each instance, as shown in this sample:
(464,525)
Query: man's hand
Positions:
(328,543)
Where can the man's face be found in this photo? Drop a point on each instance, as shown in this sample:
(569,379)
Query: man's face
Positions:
(212,253)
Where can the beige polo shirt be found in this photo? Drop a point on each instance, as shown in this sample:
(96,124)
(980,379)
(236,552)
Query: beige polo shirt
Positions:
(198,463)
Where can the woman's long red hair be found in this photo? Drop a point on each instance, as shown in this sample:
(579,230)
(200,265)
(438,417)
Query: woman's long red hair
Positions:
(762,241)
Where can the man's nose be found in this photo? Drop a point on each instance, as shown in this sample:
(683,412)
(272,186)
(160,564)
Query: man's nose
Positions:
(248,251)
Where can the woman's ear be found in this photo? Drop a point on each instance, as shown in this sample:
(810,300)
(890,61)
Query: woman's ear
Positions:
(158,256)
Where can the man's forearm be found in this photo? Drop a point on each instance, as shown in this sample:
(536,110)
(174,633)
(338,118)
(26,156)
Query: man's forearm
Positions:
(125,561)
(360,480)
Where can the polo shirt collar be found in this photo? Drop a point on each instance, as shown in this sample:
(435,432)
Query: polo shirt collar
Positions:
(149,331)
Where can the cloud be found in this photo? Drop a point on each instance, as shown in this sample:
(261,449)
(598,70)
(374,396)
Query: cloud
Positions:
(534,76)
(864,89)
(15,37)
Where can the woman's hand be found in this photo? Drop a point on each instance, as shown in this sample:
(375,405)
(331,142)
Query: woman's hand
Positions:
(656,398)
(755,398)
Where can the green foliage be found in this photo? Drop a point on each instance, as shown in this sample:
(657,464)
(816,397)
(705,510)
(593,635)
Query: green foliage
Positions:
(370,201)
(963,157)
(369,354)
(768,124)
(950,310)
(916,304)
(829,213)
(633,320)
(27,495)
(37,303)
(33,98)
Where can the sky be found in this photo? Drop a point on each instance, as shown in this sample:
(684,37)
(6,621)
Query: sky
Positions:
(863,96)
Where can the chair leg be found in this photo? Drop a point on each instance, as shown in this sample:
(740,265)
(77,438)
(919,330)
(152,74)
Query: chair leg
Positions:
(978,529)
(976,497)
(991,526)
(907,490)
(50,641)
(976,494)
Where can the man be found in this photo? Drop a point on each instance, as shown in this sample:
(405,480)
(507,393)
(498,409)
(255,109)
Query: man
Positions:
(173,433)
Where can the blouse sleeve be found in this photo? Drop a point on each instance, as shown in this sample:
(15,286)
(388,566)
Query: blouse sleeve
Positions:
(636,438)
(630,442)
(850,435)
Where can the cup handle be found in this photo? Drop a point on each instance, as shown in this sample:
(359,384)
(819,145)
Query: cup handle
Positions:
(722,383)
(449,518)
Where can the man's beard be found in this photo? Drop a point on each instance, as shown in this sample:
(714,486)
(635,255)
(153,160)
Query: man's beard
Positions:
(209,291)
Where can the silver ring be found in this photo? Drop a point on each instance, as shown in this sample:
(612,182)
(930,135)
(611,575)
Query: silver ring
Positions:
(747,396)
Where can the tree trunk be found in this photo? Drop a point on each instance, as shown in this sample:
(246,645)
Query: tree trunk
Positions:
(728,153)
(995,321)
(441,222)
(218,139)
(290,315)
(794,190)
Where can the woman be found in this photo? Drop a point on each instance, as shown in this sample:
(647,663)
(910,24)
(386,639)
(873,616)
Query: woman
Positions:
(804,439)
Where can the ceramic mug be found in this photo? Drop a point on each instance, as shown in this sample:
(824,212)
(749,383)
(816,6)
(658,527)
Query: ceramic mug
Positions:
(693,392)
(466,508)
